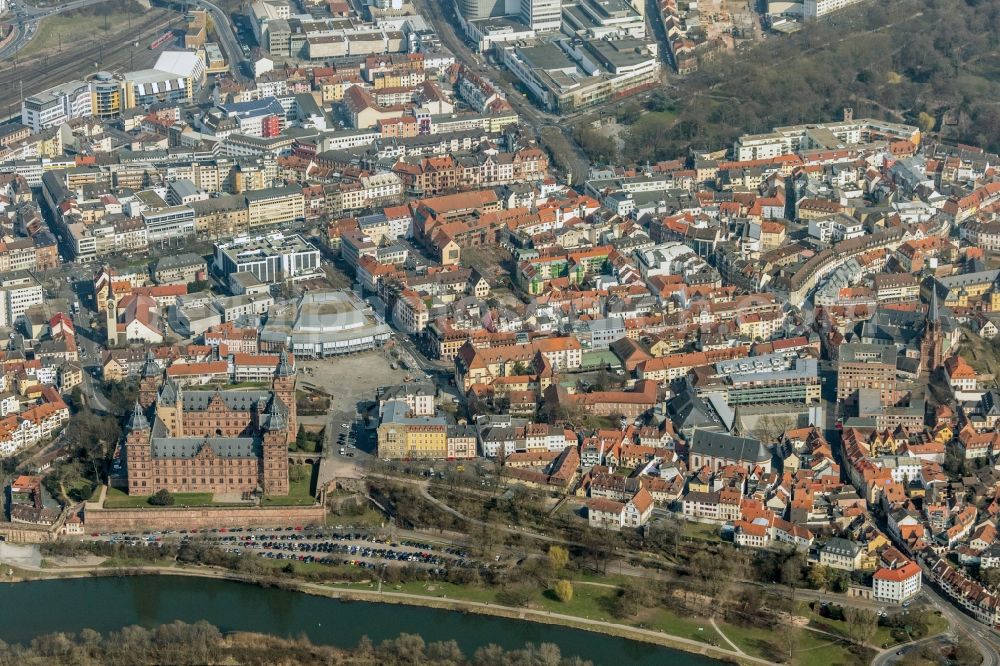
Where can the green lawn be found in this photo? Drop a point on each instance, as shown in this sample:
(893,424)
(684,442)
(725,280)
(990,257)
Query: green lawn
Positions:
(818,650)
(697,629)
(301,492)
(441,590)
(702,531)
(369,517)
(118,499)
(588,601)
(665,117)
(755,641)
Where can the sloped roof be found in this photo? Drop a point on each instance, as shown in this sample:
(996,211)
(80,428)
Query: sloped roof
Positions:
(722,445)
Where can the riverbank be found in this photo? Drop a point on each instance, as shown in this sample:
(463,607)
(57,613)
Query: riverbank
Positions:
(346,593)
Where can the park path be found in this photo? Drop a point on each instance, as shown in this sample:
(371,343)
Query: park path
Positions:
(725,638)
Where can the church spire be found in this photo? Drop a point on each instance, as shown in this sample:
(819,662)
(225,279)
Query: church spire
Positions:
(737,428)
(933,310)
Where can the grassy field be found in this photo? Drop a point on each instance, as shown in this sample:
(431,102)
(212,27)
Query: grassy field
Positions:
(117,499)
(66,30)
(701,531)
(590,601)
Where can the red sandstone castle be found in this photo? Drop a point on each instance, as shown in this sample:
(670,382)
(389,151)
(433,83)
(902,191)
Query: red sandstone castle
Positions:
(210,440)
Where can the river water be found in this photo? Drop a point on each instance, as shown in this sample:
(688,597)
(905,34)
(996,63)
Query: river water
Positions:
(105,604)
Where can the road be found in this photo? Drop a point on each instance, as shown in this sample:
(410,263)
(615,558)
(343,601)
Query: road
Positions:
(224,33)
(981,636)
(895,653)
(441,13)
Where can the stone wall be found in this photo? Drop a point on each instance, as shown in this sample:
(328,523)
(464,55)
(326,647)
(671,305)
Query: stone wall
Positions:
(23,533)
(96,519)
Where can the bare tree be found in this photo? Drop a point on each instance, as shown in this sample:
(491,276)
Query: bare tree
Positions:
(861,624)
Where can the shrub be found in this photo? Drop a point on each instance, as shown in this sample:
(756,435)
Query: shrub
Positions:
(162,497)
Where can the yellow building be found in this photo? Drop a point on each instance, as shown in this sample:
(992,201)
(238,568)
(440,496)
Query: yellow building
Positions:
(427,441)
(107,96)
(401,435)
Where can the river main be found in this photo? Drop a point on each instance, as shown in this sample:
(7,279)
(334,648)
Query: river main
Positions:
(106,604)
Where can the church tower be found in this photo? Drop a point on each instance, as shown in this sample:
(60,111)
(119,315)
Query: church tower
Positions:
(149,380)
(283,386)
(931,346)
(111,315)
(138,454)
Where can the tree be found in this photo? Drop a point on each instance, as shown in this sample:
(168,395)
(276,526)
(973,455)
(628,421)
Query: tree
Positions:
(162,497)
(518,595)
(599,148)
(990,577)
(564,591)
(966,655)
(861,623)
(633,596)
(770,426)
(297,473)
(300,438)
(790,637)
(629,114)
(558,557)
(926,121)
(819,576)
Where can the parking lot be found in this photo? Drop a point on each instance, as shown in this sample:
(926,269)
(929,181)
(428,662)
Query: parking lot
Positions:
(327,546)
(348,549)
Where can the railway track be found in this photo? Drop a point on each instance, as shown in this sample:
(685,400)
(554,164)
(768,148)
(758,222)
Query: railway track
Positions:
(115,54)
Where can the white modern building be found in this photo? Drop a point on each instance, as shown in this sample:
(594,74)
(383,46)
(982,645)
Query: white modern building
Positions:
(18,292)
(814,9)
(270,258)
(542,15)
(57,105)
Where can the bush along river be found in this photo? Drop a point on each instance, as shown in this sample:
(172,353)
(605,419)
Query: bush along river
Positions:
(106,604)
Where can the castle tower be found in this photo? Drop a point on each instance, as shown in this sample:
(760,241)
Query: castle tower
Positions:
(931,346)
(283,386)
(274,435)
(149,380)
(169,407)
(138,454)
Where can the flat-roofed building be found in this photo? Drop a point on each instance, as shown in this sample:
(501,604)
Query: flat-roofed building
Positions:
(573,74)
(324,323)
(275,205)
(57,105)
(867,366)
(270,258)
